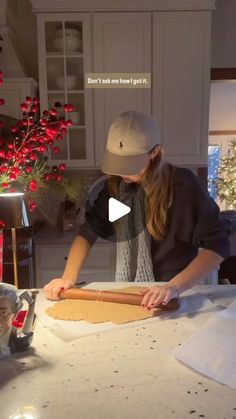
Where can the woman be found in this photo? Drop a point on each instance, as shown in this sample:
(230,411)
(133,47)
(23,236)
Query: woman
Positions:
(171,216)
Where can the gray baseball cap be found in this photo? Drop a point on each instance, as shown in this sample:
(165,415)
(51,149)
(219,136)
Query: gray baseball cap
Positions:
(131,136)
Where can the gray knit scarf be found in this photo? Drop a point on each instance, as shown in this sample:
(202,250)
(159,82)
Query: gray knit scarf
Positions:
(133,259)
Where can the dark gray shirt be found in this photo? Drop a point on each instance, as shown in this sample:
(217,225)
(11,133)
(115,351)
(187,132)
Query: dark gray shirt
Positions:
(193,221)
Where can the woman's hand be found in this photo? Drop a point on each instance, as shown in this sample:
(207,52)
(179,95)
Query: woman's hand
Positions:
(154,296)
(54,287)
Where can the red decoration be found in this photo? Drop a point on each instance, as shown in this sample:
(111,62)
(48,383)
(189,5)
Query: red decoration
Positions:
(23,158)
(1,255)
(20,318)
(62,167)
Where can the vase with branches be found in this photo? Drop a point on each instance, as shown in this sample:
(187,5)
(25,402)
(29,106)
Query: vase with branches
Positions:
(24,151)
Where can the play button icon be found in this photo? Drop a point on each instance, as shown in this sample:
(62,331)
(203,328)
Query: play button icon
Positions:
(116,210)
(116,220)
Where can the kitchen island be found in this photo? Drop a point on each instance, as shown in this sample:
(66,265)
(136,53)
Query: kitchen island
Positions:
(126,373)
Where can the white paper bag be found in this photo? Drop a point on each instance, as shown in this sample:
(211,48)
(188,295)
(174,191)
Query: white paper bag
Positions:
(212,350)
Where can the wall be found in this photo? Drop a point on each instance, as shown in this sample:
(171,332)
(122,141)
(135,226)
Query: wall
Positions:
(23,31)
(222,106)
(224,34)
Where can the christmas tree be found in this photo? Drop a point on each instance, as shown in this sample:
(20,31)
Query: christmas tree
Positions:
(226,181)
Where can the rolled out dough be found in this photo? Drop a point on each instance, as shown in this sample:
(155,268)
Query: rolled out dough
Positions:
(100,311)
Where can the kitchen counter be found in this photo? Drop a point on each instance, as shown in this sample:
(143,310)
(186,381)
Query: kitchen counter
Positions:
(121,374)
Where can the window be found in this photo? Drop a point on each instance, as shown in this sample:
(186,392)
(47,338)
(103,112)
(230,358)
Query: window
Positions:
(214,156)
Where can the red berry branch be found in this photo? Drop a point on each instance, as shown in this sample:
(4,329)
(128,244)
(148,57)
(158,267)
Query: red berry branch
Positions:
(23,154)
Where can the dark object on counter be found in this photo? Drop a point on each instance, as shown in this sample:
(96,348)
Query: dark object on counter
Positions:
(228,266)
(230,217)
(20,343)
(228,269)
(25,257)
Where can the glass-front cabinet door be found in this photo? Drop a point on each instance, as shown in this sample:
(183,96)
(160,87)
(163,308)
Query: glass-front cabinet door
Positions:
(64,58)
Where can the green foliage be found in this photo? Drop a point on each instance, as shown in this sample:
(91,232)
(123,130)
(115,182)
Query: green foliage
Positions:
(226,181)
(70,187)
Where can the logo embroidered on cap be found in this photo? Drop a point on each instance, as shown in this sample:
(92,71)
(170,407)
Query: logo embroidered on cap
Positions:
(121,144)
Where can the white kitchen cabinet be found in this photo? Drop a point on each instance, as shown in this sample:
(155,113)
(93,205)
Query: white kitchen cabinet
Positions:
(64,57)
(170,39)
(181,82)
(180,51)
(121,44)
(51,251)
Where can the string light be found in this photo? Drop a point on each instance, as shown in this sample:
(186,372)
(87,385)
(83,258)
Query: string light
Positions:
(226,179)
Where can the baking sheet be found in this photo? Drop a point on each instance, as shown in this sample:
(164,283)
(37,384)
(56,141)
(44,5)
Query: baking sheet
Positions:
(70,330)
(211,350)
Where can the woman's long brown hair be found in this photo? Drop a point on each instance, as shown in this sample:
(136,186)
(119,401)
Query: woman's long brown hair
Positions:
(158,186)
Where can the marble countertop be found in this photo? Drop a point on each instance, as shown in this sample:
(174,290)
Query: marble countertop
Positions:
(121,374)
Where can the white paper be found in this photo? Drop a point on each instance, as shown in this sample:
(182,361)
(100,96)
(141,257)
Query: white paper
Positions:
(211,350)
(69,330)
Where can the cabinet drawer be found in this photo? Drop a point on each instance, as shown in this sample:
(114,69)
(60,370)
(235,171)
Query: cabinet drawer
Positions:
(99,257)
(51,257)
(43,277)
(93,275)
(54,257)
(87,275)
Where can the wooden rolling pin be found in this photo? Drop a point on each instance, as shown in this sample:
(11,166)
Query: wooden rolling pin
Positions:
(112,297)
